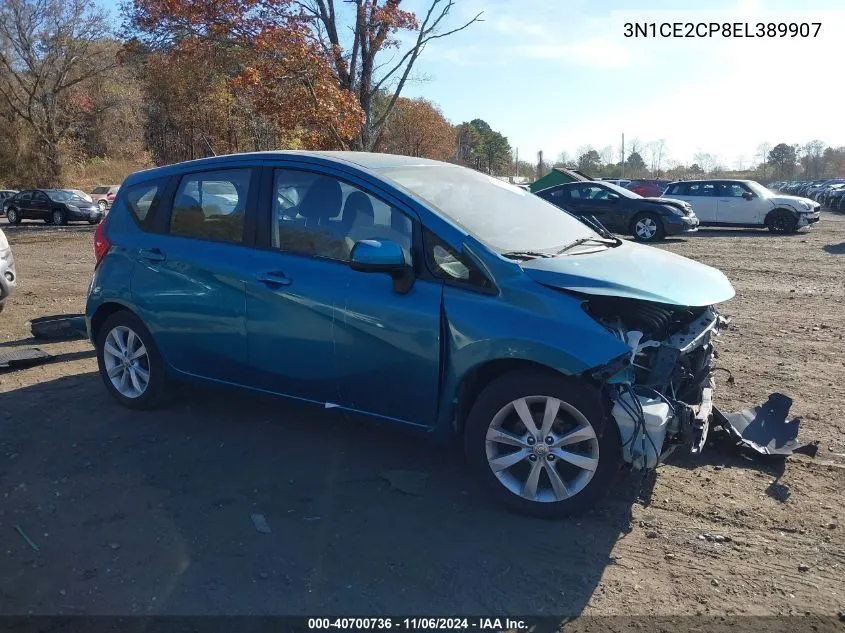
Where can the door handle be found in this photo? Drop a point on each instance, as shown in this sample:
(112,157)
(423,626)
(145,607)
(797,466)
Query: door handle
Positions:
(151,254)
(274,279)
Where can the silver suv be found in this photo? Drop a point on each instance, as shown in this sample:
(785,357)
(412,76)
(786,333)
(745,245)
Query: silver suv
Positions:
(8,278)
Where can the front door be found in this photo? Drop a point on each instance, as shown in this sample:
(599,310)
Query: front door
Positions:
(319,330)
(737,204)
(189,272)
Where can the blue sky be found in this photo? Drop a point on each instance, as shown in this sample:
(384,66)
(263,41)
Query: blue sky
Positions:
(557,75)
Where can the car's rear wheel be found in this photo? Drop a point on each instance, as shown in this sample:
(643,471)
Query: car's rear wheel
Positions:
(13,217)
(102,205)
(540,443)
(129,362)
(58,217)
(647,227)
(781,221)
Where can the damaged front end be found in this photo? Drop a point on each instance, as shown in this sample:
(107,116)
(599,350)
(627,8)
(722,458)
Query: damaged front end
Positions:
(661,392)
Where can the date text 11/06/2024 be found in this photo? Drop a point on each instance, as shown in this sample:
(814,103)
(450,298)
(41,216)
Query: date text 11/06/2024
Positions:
(417,624)
(722,29)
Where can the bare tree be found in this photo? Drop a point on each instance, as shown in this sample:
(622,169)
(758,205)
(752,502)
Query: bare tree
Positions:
(357,65)
(814,158)
(48,48)
(763,150)
(607,155)
(658,150)
(706,161)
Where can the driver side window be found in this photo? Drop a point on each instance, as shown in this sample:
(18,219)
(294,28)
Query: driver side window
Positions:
(322,216)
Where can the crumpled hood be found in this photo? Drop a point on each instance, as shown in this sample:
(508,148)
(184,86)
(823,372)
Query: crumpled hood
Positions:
(793,201)
(634,271)
(670,202)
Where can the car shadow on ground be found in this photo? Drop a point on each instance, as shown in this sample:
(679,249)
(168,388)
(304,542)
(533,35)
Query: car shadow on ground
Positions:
(835,249)
(40,226)
(150,512)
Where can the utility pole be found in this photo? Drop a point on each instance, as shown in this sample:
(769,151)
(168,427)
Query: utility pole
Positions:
(623,156)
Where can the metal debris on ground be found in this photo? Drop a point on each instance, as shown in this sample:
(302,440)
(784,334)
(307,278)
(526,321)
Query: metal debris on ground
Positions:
(260,523)
(21,358)
(765,429)
(28,540)
(406,481)
(59,327)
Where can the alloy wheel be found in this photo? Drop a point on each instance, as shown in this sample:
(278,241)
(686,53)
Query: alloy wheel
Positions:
(645,228)
(58,217)
(127,362)
(542,449)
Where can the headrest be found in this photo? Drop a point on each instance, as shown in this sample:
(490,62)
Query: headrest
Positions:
(322,200)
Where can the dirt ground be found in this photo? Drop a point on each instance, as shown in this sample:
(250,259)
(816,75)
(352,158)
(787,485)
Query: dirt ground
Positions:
(137,513)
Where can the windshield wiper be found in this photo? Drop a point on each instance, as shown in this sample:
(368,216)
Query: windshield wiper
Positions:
(585,240)
(526,254)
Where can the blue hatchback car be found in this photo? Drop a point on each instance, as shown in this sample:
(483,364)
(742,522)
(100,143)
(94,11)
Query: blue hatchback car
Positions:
(416,292)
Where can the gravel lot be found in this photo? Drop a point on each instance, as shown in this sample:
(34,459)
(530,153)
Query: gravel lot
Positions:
(137,513)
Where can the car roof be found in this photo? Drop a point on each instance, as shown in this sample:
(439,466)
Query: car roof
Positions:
(367,160)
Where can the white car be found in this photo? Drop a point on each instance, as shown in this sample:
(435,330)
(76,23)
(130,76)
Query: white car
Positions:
(744,203)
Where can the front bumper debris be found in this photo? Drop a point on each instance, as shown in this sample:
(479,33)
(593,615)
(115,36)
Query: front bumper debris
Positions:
(766,429)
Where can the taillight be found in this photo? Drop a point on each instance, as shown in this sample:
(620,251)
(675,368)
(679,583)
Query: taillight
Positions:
(101,243)
(110,196)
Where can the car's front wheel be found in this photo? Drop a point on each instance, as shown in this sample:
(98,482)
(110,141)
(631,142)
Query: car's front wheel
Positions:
(647,227)
(781,221)
(129,362)
(58,217)
(542,443)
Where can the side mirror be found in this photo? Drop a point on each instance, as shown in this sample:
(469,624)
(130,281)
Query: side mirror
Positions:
(384,256)
(747,195)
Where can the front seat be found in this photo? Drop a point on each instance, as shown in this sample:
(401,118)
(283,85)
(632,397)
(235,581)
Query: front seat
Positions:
(321,202)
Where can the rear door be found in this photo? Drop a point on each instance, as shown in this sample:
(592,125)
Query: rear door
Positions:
(702,196)
(40,206)
(191,266)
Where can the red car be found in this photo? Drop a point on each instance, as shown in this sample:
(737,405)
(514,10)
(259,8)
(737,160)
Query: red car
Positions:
(104,195)
(648,188)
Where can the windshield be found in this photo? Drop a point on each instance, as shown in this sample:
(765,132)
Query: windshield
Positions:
(60,195)
(625,193)
(759,189)
(504,217)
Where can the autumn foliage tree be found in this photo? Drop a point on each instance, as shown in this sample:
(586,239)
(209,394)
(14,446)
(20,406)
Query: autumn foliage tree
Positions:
(263,53)
(417,128)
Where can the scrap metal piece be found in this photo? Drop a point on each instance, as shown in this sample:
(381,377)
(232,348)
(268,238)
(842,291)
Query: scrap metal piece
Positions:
(701,420)
(59,326)
(765,429)
(20,358)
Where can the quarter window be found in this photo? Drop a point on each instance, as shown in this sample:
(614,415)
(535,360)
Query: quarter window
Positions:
(448,264)
(211,205)
(321,216)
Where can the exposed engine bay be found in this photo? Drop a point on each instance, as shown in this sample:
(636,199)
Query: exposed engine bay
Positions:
(662,395)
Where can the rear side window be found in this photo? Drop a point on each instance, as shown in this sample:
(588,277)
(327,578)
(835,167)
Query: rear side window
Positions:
(674,190)
(142,200)
(211,205)
(100,190)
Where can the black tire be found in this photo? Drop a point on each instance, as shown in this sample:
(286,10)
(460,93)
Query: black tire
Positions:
(528,383)
(93,220)
(650,221)
(103,206)
(13,216)
(781,221)
(58,217)
(158,389)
